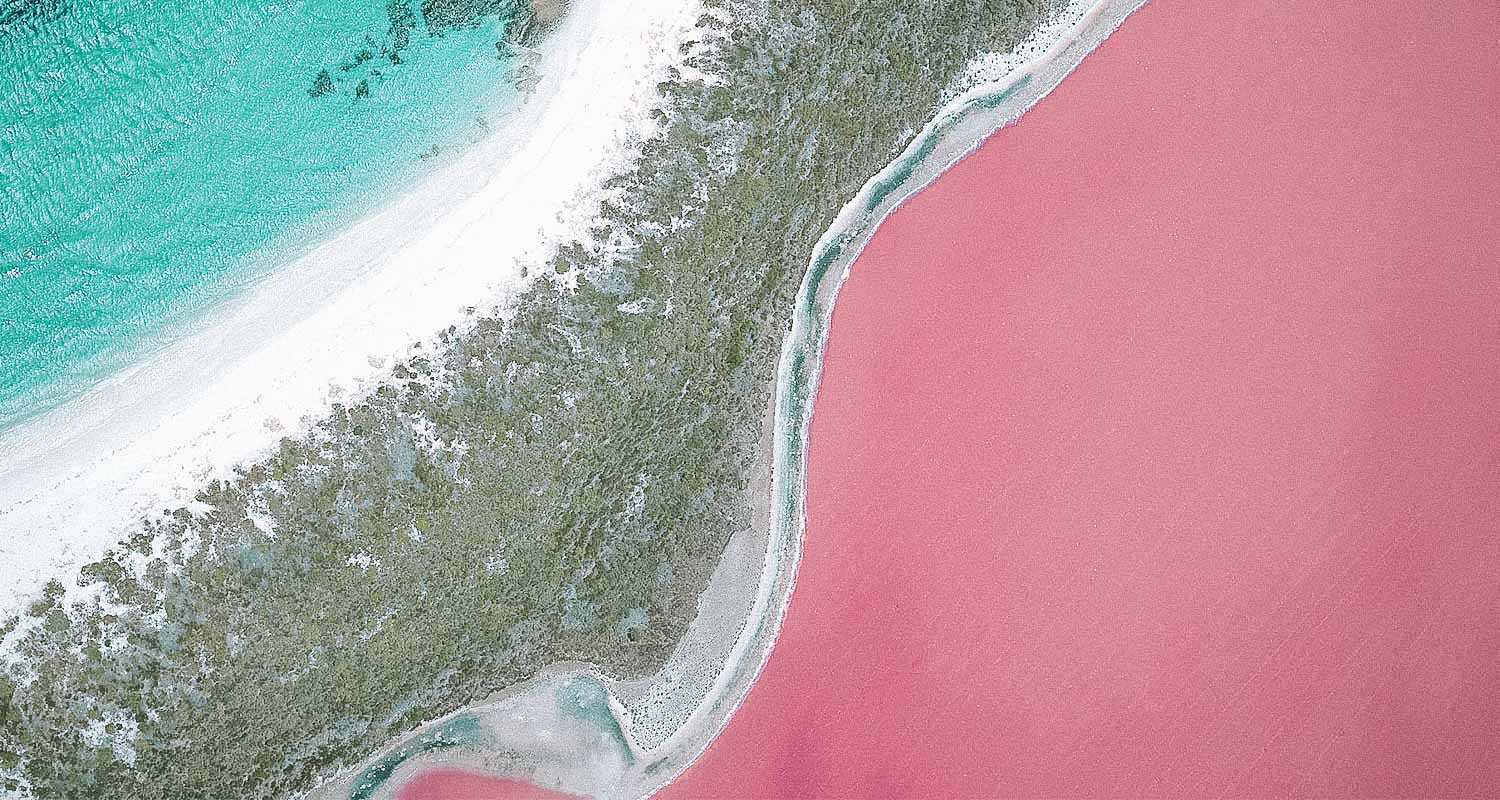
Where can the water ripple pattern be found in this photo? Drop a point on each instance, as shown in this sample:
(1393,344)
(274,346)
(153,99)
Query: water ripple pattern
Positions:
(155,157)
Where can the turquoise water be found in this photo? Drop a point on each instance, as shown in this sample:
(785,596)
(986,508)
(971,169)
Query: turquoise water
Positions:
(153,152)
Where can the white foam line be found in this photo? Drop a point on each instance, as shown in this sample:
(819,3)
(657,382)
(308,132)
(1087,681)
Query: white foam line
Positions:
(1071,34)
(326,327)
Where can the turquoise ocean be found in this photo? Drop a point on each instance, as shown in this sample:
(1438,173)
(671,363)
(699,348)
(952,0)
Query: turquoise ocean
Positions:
(156,156)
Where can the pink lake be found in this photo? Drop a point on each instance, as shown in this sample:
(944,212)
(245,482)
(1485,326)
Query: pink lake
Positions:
(446,783)
(1158,444)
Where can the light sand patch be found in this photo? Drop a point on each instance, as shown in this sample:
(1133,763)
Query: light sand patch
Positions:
(548,11)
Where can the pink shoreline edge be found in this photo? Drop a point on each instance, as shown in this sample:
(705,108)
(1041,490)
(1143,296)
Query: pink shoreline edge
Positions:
(1156,449)
(448,783)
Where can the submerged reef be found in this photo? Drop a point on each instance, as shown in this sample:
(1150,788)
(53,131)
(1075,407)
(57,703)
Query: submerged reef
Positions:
(554,485)
(519,23)
(15,14)
(442,15)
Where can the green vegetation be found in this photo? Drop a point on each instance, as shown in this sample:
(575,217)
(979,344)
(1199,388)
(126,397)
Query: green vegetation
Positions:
(529,492)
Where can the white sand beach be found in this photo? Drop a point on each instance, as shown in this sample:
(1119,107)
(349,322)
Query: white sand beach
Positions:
(329,326)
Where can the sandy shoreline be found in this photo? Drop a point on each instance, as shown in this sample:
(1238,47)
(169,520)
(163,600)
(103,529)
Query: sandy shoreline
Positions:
(623,750)
(1001,87)
(328,326)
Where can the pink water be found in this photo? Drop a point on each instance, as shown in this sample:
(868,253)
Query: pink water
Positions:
(446,783)
(1158,444)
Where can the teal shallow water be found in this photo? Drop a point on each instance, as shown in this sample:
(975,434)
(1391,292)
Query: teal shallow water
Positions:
(154,155)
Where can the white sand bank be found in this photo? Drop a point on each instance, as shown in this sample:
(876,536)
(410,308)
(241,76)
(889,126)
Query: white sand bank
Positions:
(328,326)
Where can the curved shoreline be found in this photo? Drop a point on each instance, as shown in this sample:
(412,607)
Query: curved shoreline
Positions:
(608,739)
(957,129)
(1144,435)
(154,435)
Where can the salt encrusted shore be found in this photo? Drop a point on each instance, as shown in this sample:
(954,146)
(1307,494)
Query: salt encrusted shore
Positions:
(581,731)
(326,327)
